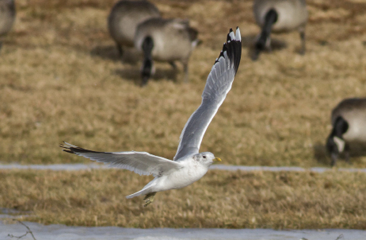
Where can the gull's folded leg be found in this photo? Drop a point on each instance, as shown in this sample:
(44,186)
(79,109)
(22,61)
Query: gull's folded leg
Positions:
(149,199)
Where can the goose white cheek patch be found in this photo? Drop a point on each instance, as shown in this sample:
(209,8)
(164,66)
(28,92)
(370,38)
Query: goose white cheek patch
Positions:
(340,143)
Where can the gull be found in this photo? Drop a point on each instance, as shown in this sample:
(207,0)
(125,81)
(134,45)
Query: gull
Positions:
(188,164)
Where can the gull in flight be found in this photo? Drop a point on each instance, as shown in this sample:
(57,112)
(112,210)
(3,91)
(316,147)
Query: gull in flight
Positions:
(188,164)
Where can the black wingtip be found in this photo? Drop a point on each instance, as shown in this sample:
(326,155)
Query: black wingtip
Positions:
(233,47)
(69,148)
(228,35)
(65,147)
(68,151)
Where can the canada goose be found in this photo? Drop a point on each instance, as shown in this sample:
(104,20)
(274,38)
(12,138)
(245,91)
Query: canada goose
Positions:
(166,40)
(349,125)
(124,18)
(279,16)
(7,16)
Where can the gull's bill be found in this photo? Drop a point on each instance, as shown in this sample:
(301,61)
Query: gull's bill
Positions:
(218,84)
(189,165)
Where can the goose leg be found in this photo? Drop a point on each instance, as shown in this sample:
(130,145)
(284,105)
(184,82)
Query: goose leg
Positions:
(347,154)
(333,159)
(186,68)
(173,65)
(303,40)
(119,48)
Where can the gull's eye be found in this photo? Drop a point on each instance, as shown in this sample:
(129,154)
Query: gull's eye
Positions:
(204,156)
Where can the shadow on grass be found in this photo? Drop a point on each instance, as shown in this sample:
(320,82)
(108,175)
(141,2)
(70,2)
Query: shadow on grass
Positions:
(249,42)
(133,74)
(321,154)
(110,52)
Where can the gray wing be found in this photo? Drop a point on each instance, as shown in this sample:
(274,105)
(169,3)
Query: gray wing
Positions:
(218,84)
(141,163)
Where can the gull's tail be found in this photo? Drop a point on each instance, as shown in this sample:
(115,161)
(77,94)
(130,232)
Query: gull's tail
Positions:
(145,190)
(139,193)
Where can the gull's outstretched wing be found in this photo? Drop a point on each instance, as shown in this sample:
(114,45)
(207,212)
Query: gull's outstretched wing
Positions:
(142,163)
(218,84)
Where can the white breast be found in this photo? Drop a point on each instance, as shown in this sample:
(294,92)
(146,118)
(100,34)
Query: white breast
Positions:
(191,172)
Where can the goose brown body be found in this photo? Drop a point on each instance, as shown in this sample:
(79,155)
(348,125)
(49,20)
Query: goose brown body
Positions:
(169,40)
(292,14)
(278,16)
(125,17)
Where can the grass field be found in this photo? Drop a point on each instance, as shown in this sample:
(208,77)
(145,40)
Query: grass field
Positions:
(219,200)
(61,79)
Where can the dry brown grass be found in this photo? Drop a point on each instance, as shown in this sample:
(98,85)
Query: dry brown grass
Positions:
(219,200)
(60,79)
